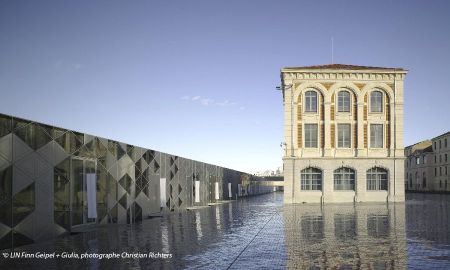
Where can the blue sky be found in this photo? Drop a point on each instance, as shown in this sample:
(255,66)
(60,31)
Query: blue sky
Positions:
(197,78)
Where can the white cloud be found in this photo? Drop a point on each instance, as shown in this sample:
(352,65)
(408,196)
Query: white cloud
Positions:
(211,102)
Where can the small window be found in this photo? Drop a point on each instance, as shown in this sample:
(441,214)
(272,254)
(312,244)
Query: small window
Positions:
(343,101)
(417,160)
(424,159)
(440,171)
(376,136)
(445,158)
(445,142)
(311,135)
(344,135)
(311,101)
(434,145)
(376,101)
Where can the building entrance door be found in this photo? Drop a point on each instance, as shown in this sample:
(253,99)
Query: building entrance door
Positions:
(83,196)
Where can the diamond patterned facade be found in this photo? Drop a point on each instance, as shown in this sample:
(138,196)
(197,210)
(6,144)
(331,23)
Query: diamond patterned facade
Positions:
(43,181)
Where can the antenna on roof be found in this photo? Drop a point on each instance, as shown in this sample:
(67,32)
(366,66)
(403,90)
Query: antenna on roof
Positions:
(332,50)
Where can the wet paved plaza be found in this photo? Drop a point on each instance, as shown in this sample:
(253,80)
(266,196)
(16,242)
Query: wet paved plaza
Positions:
(262,233)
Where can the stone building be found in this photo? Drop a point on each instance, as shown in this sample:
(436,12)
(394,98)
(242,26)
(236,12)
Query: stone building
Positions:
(343,133)
(427,165)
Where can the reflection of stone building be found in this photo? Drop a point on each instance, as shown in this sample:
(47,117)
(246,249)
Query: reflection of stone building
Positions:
(54,181)
(345,236)
(428,165)
(343,133)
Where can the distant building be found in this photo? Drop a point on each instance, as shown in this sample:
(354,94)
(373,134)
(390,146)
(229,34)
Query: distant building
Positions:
(343,133)
(427,165)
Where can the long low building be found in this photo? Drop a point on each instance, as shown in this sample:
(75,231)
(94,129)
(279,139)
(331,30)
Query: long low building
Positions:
(54,180)
(427,165)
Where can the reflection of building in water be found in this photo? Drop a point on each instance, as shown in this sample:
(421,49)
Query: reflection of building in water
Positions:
(428,217)
(345,237)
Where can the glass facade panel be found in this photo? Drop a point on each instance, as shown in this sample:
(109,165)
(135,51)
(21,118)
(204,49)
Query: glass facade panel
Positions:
(5,125)
(5,196)
(311,135)
(79,194)
(23,204)
(61,195)
(102,192)
(310,101)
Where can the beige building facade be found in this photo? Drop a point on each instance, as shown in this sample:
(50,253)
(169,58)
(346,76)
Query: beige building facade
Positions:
(343,134)
(428,165)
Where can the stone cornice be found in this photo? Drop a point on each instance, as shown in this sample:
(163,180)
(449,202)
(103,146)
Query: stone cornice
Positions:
(375,75)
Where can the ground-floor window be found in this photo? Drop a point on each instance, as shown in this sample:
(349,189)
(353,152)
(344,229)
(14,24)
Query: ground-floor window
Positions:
(377,179)
(344,179)
(311,179)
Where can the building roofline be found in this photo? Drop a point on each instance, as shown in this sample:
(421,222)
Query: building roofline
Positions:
(442,135)
(344,67)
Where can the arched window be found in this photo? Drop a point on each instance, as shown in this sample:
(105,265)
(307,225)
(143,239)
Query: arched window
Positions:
(344,101)
(344,179)
(311,101)
(376,101)
(377,179)
(311,179)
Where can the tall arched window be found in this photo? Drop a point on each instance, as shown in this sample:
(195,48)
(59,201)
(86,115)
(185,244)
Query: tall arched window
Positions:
(344,101)
(377,179)
(311,179)
(344,179)
(376,101)
(311,101)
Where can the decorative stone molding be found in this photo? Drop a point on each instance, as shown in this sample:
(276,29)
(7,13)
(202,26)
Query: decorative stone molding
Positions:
(346,75)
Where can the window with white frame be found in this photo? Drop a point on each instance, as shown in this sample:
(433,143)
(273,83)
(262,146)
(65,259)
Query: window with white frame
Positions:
(344,179)
(310,135)
(344,136)
(377,179)
(311,101)
(311,179)
(376,101)
(376,135)
(344,101)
